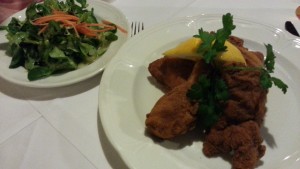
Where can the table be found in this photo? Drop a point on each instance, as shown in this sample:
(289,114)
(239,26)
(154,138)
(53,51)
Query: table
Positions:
(60,127)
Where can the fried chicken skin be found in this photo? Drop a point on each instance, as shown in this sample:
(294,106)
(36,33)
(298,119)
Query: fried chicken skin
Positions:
(174,114)
(237,131)
(247,98)
(171,72)
(243,140)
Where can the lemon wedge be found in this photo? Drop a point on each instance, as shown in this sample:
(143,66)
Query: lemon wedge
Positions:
(233,54)
(188,50)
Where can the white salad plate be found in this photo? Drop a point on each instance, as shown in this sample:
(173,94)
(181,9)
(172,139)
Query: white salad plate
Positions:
(18,75)
(127,93)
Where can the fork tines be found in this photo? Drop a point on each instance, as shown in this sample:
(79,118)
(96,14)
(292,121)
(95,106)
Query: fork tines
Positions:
(136,27)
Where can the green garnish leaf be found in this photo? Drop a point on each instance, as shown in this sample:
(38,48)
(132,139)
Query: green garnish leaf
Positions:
(56,53)
(17,58)
(280,84)
(3,28)
(270,59)
(266,80)
(38,73)
(206,44)
(210,92)
(228,24)
(213,43)
(221,90)
(199,89)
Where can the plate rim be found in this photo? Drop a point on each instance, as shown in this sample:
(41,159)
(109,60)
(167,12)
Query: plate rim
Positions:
(35,84)
(104,79)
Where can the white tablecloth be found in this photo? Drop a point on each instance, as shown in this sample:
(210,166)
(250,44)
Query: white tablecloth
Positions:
(60,127)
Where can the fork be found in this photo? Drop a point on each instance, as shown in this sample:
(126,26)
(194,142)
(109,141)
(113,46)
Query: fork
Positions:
(136,27)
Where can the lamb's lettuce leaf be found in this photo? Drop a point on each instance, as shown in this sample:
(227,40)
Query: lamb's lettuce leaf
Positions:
(58,49)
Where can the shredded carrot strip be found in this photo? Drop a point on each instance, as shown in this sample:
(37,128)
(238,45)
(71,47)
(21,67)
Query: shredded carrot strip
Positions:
(71,21)
(57,12)
(67,22)
(48,18)
(85,30)
(106,22)
(104,30)
(39,24)
(43,29)
(119,27)
(72,24)
(100,25)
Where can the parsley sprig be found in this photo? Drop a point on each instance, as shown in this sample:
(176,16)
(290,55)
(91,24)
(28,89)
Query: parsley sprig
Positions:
(211,91)
(213,43)
(266,80)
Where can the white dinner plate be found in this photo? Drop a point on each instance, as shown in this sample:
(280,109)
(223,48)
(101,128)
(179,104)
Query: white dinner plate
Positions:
(127,94)
(102,10)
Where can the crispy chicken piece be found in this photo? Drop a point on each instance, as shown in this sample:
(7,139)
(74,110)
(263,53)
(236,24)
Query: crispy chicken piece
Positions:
(237,131)
(171,72)
(253,58)
(248,98)
(174,114)
(236,41)
(243,140)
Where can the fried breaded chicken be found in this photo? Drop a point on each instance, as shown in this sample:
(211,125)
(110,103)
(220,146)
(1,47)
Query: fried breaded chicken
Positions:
(174,114)
(243,140)
(171,72)
(248,98)
(237,131)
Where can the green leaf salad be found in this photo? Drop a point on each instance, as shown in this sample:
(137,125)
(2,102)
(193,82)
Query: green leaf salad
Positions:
(57,37)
